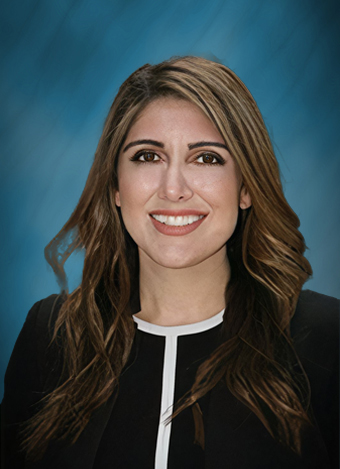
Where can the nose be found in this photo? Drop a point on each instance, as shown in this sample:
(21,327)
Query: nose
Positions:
(174,186)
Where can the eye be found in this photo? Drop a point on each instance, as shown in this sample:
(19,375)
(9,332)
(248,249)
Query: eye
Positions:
(145,157)
(210,159)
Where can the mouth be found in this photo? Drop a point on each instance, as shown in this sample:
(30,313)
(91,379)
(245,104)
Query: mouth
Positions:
(177,223)
(181,220)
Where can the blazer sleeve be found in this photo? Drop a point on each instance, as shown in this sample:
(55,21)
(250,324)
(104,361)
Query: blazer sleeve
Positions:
(315,331)
(25,379)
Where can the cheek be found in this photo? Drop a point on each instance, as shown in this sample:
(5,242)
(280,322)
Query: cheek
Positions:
(131,190)
(222,194)
(137,184)
(221,190)
(135,190)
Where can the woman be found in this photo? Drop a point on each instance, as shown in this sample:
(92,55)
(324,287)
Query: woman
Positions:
(189,342)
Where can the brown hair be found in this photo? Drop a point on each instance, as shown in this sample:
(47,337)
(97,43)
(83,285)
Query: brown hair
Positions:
(257,359)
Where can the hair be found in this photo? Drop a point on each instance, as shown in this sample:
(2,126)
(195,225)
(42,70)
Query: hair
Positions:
(256,360)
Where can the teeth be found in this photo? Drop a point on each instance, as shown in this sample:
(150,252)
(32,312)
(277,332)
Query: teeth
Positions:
(177,221)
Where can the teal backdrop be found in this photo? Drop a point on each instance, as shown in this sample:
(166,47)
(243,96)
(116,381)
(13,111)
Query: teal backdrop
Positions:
(62,63)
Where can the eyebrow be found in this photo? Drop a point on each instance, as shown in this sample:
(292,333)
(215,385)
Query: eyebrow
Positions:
(191,146)
(145,141)
(207,144)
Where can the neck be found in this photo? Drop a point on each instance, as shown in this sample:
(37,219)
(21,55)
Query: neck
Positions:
(172,297)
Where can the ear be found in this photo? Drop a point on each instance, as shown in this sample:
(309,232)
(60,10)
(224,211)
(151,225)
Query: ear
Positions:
(245,200)
(117,198)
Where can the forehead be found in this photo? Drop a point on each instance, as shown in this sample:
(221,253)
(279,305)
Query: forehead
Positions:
(173,117)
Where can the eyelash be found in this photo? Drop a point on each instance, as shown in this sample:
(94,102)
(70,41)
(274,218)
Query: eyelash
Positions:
(219,160)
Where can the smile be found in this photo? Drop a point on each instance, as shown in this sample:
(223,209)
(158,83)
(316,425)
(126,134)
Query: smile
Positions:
(177,221)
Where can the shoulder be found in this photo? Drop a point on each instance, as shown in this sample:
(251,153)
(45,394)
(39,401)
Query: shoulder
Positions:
(316,312)
(32,350)
(317,306)
(315,334)
(34,366)
(43,314)
(40,320)
(315,328)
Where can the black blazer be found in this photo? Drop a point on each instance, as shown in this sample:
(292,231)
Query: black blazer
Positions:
(234,436)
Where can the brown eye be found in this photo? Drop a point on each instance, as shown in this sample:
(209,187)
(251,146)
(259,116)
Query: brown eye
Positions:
(209,158)
(145,157)
(149,156)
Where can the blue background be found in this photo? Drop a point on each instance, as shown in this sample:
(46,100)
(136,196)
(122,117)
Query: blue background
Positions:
(62,63)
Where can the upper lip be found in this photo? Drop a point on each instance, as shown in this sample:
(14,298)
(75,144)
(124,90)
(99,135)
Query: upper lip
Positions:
(177,213)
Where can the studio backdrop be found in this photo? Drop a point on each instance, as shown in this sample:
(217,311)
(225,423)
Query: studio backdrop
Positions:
(62,63)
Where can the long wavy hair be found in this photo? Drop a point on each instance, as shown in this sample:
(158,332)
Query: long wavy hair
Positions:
(256,360)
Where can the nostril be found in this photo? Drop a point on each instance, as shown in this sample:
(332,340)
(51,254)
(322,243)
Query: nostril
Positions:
(175,187)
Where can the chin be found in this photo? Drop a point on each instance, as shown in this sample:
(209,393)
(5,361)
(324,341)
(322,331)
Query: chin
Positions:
(172,261)
(180,264)
(181,260)
(171,258)
(181,257)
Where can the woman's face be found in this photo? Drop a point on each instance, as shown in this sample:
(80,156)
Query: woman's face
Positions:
(179,188)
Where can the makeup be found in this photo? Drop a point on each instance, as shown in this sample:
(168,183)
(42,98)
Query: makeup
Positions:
(176,223)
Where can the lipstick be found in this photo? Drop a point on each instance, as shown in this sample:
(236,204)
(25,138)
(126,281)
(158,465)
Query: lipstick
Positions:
(176,222)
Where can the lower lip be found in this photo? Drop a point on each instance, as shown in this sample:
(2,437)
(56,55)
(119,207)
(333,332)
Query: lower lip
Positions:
(176,230)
